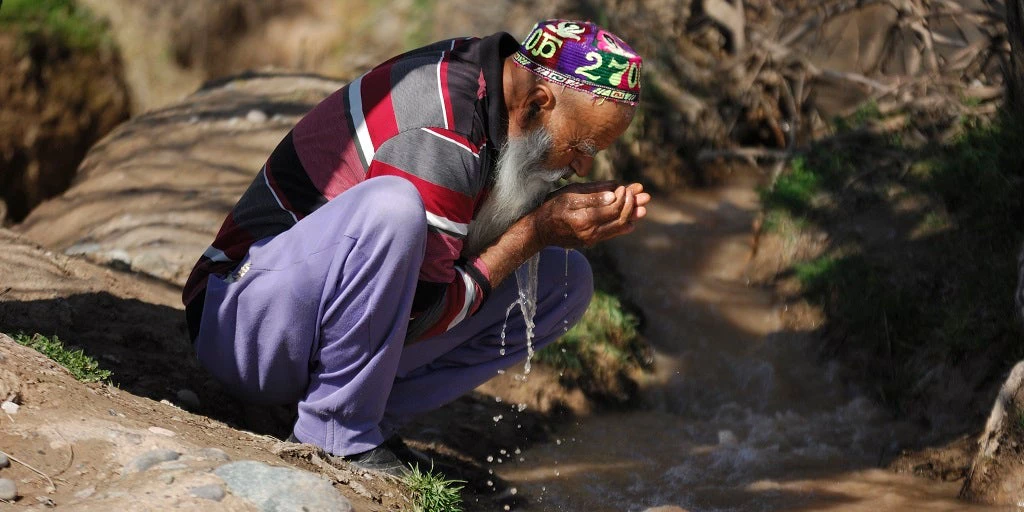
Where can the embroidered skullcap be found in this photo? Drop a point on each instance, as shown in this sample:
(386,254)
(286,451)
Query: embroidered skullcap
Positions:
(583,56)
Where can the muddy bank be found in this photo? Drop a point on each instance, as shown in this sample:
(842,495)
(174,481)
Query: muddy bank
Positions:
(56,101)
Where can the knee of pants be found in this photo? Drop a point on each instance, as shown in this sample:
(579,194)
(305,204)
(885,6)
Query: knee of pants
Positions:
(397,208)
(580,279)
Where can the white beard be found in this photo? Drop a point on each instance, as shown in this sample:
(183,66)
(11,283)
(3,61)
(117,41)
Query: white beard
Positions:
(521,183)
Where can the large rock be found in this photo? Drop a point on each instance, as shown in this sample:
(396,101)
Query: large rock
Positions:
(151,195)
(997,472)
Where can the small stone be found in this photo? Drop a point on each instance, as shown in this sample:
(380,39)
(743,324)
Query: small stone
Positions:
(256,116)
(161,431)
(150,459)
(46,501)
(4,461)
(85,493)
(10,407)
(188,398)
(166,478)
(727,438)
(212,492)
(8,491)
(213,454)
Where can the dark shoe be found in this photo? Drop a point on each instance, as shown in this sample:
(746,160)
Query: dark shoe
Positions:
(408,455)
(381,460)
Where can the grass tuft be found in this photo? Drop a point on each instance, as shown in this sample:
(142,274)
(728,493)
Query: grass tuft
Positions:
(83,367)
(599,349)
(794,190)
(431,492)
(64,20)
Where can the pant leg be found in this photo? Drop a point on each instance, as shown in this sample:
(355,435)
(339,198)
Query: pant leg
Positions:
(437,370)
(320,315)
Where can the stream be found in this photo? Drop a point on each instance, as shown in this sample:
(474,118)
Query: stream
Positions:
(743,415)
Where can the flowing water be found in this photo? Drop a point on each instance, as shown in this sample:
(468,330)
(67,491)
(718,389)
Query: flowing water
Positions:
(744,416)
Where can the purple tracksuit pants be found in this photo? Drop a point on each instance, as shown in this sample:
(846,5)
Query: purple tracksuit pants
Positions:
(317,316)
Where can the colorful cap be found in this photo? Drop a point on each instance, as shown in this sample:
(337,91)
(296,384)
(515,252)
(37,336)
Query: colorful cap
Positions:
(583,56)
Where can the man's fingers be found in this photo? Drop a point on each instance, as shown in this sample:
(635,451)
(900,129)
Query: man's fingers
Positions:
(628,206)
(642,199)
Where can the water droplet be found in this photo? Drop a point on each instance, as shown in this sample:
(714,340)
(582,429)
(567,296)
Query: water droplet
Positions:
(497,399)
(558,441)
(490,458)
(502,451)
(513,491)
(490,483)
(521,407)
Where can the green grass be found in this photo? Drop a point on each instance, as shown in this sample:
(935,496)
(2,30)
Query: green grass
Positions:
(598,350)
(794,190)
(64,20)
(431,492)
(83,367)
(865,114)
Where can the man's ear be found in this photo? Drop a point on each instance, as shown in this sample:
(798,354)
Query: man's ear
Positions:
(539,103)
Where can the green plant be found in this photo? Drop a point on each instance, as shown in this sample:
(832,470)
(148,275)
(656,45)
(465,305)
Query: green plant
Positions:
(83,367)
(65,20)
(794,190)
(603,344)
(431,492)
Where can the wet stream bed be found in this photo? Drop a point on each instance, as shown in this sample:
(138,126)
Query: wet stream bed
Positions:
(741,414)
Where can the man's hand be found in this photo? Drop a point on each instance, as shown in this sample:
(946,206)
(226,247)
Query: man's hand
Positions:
(583,214)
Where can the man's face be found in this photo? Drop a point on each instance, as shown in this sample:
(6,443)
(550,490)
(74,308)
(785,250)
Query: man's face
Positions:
(580,126)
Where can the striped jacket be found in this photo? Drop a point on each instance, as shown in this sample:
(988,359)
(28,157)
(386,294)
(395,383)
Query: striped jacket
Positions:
(435,116)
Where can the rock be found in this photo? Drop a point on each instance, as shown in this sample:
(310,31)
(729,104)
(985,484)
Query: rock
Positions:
(256,116)
(188,398)
(666,508)
(161,431)
(281,489)
(8,491)
(208,492)
(150,459)
(4,461)
(727,438)
(10,407)
(85,493)
(213,454)
(996,476)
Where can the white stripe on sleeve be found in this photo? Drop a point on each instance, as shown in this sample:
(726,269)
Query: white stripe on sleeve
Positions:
(355,105)
(470,298)
(447,224)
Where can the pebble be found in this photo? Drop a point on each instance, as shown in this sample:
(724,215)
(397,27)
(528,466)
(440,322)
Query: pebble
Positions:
(150,459)
(8,491)
(281,489)
(161,431)
(256,116)
(4,461)
(10,407)
(213,454)
(208,492)
(188,398)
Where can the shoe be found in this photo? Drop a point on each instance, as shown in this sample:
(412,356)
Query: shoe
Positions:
(380,460)
(410,456)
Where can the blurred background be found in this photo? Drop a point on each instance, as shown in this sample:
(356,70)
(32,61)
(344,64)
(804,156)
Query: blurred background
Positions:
(862,157)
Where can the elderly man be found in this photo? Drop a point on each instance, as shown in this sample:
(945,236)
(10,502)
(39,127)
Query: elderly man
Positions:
(364,273)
